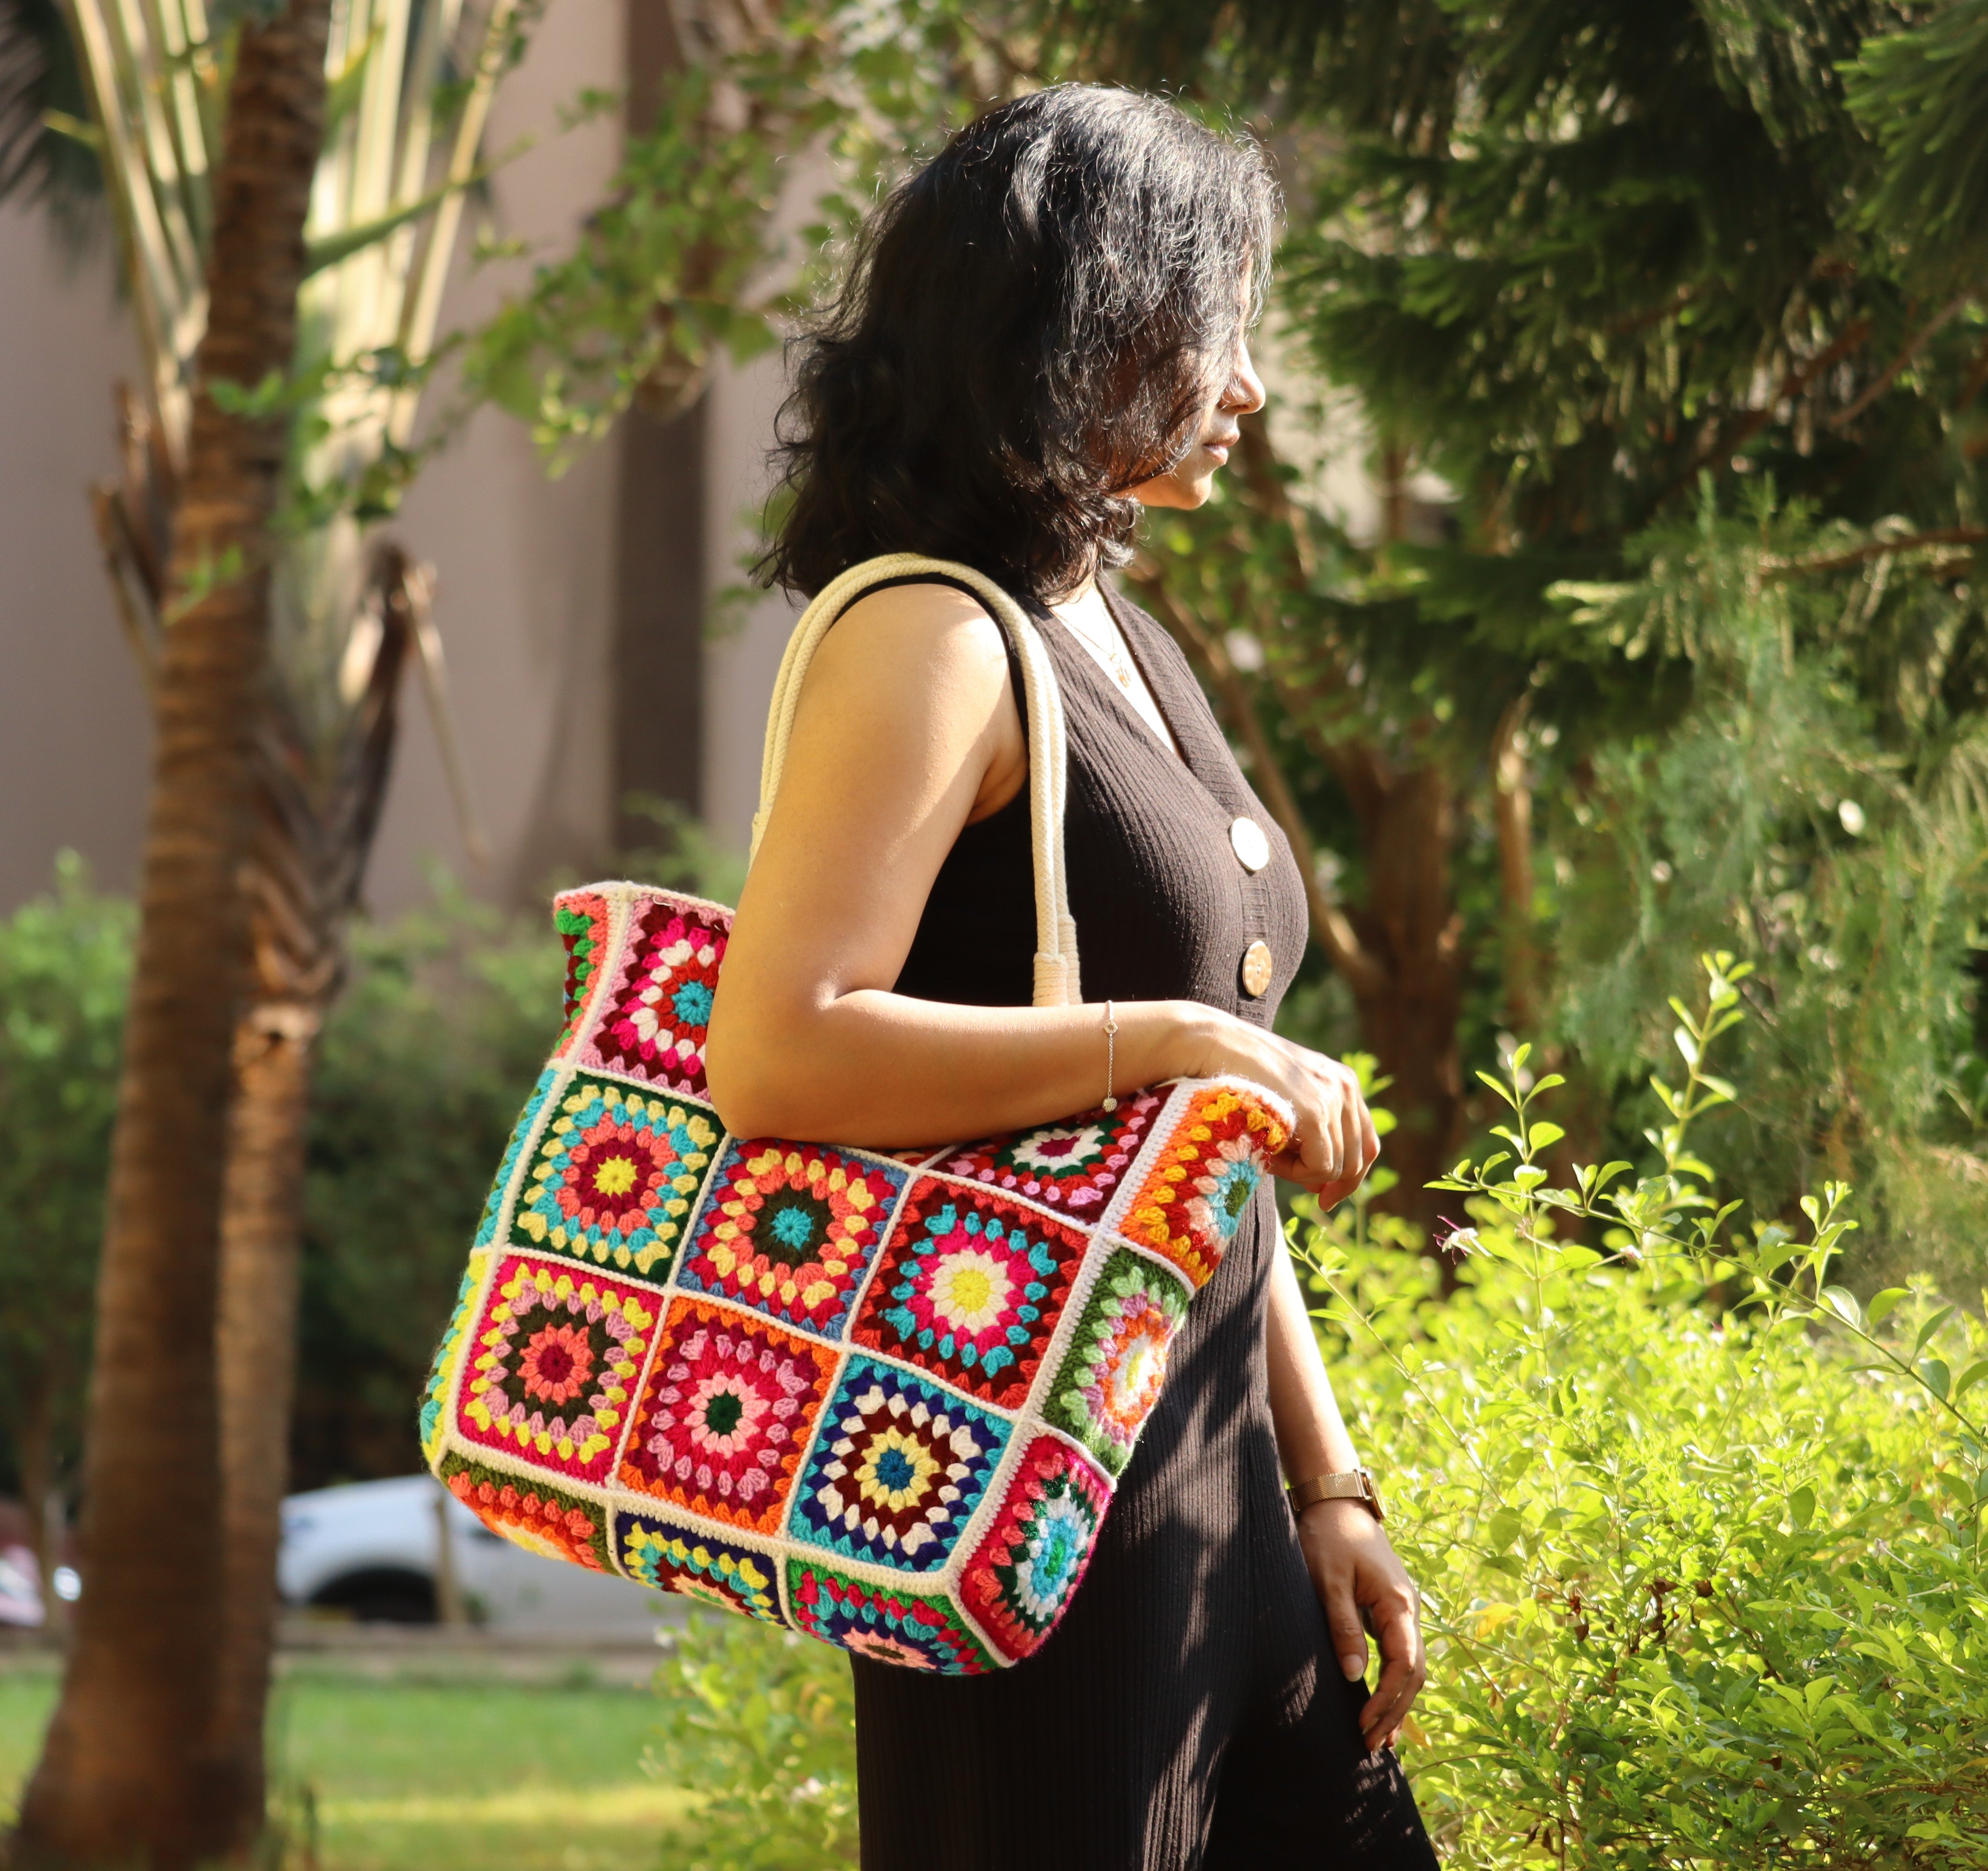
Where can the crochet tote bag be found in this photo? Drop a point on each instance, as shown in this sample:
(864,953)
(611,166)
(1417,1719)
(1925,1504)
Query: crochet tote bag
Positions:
(881,1396)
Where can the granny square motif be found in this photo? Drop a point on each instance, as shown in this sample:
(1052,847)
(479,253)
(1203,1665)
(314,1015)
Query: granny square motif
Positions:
(790,1229)
(971,1288)
(880,1396)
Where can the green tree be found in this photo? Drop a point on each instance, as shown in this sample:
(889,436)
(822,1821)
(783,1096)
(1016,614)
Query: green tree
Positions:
(418,1083)
(1603,274)
(65,975)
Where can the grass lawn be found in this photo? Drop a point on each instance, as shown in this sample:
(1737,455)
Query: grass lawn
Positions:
(439,1776)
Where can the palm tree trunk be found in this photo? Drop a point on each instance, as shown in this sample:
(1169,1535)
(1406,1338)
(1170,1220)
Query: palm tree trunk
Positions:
(311,847)
(256,1368)
(128,1775)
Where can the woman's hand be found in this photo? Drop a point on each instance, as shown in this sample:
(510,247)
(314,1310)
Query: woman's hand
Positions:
(1363,1587)
(1336,1144)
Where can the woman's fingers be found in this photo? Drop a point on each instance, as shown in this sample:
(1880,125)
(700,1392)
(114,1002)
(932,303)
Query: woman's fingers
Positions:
(1397,1624)
(1348,1629)
(1336,1144)
(1352,1154)
(1318,1138)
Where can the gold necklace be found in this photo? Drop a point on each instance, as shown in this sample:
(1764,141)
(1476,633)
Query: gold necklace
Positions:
(1116,665)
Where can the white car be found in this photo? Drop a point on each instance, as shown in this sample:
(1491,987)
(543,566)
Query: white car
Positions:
(373,1549)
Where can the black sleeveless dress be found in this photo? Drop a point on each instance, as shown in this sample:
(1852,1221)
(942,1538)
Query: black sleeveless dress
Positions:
(1189,1711)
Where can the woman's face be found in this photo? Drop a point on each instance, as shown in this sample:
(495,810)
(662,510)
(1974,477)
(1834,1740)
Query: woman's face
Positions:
(1189,482)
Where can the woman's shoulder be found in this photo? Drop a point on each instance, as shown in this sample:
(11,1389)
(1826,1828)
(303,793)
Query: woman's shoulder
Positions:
(918,608)
(917,635)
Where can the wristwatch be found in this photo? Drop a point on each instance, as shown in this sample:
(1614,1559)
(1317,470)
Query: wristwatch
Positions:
(1355,1485)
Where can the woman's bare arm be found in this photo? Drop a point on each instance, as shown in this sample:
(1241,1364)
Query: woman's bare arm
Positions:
(907,731)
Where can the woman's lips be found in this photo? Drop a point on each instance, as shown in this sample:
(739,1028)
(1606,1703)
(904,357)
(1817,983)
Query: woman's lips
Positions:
(1218,452)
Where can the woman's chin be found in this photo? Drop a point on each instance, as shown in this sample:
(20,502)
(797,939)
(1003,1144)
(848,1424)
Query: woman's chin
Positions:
(1179,489)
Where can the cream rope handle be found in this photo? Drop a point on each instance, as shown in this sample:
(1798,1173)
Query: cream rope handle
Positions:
(1056,969)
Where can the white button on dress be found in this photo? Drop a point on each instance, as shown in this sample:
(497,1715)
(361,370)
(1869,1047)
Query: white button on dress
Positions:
(1250,842)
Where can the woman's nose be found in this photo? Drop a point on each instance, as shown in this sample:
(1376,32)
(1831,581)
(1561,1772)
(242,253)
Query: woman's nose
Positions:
(1245,395)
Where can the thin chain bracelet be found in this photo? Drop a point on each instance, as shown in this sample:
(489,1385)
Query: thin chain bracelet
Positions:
(1111,1057)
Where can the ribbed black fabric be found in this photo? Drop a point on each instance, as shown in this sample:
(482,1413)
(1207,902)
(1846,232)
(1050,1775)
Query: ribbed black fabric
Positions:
(1187,1712)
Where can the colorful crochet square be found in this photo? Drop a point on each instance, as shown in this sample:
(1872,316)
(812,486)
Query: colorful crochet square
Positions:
(790,1229)
(1023,1575)
(493,1203)
(1117,1359)
(653,1024)
(556,1357)
(1194,1198)
(441,1373)
(1072,1166)
(725,1417)
(890,1626)
(581,918)
(688,1559)
(897,1471)
(970,1288)
(616,1171)
(546,1521)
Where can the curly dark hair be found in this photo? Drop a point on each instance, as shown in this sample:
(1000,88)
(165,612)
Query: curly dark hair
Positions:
(1028,330)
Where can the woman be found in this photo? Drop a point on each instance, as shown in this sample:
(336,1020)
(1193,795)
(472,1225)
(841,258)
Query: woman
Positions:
(1045,333)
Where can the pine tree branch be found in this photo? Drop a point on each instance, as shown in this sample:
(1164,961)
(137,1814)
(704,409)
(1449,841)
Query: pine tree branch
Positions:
(1727,441)
(1889,375)
(1363,973)
(1780,568)
(1977,377)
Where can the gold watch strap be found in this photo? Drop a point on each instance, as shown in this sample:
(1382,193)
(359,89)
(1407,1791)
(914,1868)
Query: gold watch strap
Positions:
(1355,1485)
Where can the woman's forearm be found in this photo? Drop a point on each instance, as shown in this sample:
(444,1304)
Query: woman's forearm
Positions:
(1312,1437)
(882,1068)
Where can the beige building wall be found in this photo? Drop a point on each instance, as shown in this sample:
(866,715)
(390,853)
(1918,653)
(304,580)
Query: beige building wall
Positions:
(74,741)
(741,659)
(524,564)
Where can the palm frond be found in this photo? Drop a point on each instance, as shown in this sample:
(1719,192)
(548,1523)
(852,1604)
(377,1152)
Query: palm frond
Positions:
(46,157)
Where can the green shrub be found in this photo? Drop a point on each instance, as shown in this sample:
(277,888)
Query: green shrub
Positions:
(1703,1575)
(425,1059)
(760,1724)
(65,975)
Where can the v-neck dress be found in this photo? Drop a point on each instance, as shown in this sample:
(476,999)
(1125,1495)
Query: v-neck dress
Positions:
(1187,1712)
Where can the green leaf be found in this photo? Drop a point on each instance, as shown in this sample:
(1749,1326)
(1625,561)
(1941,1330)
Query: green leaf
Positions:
(1801,1506)
(1486,1079)
(1882,1304)
(1968,1379)
(1842,1303)
(1930,1327)
(75,128)
(1933,1373)
(1544,1136)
